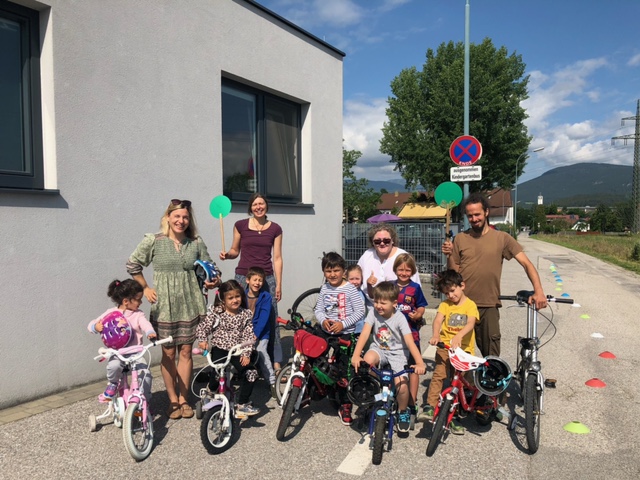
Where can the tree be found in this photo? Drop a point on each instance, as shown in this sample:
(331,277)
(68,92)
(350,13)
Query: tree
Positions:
(358,199)
(426,113)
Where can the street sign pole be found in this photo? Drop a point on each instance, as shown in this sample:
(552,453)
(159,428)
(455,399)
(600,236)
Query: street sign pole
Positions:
(467,22)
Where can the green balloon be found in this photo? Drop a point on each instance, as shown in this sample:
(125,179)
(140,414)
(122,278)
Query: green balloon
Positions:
(220,205)
(448,194)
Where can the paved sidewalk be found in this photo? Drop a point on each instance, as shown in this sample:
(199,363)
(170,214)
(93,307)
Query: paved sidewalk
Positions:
(61,399)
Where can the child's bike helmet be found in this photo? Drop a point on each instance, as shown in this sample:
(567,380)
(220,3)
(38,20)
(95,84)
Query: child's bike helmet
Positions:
(493,378)
(116,331)
(362,389)
(205,272)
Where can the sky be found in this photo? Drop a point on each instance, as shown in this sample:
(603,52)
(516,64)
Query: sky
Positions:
(582,56)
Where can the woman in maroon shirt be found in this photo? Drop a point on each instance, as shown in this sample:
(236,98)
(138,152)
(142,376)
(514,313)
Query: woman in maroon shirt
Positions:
(258,242)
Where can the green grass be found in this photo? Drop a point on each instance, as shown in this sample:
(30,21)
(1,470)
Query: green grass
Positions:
(619,250)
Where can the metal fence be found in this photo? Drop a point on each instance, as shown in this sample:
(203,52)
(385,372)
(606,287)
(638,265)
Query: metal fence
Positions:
(423,240)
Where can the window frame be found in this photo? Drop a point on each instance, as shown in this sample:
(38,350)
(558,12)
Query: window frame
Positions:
(261,165)
(33,156)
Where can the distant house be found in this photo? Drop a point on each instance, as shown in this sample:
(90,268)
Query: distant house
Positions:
(500,206)
(393,202)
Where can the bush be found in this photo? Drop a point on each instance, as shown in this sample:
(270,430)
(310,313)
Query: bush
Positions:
(635,253)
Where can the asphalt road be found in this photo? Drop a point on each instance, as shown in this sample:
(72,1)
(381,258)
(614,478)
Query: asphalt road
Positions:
(58,444)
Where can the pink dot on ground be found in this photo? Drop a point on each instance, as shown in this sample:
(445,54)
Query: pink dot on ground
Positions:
(607,355)
(595,383)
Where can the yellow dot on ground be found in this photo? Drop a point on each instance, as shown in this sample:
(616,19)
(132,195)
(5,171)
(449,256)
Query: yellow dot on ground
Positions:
(577,427)
(585,316)
(558,289)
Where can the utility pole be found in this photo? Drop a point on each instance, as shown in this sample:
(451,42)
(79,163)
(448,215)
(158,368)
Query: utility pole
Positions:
(635,187)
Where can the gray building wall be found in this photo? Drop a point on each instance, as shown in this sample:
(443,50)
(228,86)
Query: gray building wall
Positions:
(131,107)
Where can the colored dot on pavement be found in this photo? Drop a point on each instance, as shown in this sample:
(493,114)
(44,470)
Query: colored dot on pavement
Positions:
(577,427)
(558,289)
(585,316)
(607,355)
(595,383)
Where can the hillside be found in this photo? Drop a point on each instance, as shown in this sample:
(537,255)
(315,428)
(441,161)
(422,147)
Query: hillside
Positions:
(579,185)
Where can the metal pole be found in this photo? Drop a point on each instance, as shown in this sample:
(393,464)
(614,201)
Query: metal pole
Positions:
(467,13)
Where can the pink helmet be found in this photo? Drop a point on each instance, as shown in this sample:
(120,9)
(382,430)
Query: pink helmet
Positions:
(116,331)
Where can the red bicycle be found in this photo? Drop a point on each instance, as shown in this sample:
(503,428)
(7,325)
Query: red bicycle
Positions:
(491,377)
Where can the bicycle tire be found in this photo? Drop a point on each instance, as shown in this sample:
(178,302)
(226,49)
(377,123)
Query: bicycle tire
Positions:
(532,412)
(138,437)
(305,305)
(214,437)
(439,426)
(280,386)
(379,431)
(287,412)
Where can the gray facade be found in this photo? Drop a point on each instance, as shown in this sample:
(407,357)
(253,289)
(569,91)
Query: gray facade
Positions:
(131,117)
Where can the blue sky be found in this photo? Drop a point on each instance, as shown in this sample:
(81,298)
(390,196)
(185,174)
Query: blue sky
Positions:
(583,58)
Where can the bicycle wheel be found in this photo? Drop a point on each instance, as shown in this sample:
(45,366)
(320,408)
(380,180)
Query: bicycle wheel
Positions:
(215,437)
(305,305)
(439,426)
(138,437)
(532,412)
(285,372)
(379,432)
(287,412)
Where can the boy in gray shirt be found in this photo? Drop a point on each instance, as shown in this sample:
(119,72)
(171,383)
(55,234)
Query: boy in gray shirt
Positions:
(392,343)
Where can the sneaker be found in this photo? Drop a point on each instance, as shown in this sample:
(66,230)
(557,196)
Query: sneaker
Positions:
(110,391)
(456,428)
(404,421)
(246,410)
(344,412)
(426,415)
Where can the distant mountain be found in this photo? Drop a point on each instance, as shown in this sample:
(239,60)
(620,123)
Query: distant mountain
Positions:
(391,186)
(579,185)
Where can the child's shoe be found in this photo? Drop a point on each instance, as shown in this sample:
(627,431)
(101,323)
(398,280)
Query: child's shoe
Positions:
(404,421)
(426,415)
(246,410)
(110,391)
(455,427)
(344,412)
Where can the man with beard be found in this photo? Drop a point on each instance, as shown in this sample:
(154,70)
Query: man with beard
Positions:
(478,254)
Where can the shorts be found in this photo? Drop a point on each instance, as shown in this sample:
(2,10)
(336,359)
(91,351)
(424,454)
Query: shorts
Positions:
(395,359)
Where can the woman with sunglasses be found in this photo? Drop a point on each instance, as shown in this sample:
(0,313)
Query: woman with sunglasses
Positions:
(177,303)
(377,261)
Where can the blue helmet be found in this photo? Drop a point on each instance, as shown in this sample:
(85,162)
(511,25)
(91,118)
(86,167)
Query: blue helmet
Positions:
(205,272)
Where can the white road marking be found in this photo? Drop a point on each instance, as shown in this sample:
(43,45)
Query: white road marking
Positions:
(358,459)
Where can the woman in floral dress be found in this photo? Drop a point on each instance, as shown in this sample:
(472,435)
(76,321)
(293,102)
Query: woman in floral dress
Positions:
(177,303)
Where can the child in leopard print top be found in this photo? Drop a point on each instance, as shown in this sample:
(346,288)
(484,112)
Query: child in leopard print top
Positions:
(228,324)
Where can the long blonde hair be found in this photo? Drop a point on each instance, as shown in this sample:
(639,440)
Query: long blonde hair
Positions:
(191,231)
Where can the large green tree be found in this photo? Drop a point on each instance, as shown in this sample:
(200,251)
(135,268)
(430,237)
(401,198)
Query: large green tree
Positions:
(426,113)
(358,199)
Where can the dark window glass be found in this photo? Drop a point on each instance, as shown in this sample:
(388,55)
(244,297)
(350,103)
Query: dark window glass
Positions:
(260,144)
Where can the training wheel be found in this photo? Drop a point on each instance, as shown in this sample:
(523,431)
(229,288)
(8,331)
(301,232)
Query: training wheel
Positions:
(93,424)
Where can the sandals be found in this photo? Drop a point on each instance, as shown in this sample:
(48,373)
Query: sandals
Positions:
(284,377)
(186,410)
(174,412)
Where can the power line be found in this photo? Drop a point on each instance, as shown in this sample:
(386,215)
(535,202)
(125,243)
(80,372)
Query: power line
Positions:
(635,192)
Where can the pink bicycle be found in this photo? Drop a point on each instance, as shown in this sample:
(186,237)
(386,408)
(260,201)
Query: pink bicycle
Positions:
(129,408)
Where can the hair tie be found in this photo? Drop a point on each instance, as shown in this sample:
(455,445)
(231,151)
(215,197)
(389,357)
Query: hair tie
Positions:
(117,283)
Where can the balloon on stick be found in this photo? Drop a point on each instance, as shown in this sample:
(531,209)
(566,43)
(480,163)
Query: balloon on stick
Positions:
(448,195)
(220,207)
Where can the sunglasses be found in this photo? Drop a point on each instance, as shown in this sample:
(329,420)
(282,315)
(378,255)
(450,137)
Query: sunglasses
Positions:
(381,241)
(183,203)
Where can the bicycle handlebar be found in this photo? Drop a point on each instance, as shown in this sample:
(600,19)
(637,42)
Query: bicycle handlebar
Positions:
(365,366)
(236,350)
(138,351)
(523,296)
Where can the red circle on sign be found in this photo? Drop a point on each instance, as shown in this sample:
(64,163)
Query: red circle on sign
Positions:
(465,150)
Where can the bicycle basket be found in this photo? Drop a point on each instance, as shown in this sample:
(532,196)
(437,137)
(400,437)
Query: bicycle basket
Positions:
(309,344)
(464,361)
(362,389)
(492,378)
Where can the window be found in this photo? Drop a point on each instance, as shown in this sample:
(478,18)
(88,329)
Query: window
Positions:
(260,144)
(21,161)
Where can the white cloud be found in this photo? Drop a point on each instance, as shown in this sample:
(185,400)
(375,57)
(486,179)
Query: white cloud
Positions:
(362,131)
(634,61)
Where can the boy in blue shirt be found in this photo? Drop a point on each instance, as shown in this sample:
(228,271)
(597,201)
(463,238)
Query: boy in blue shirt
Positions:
(259,302)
